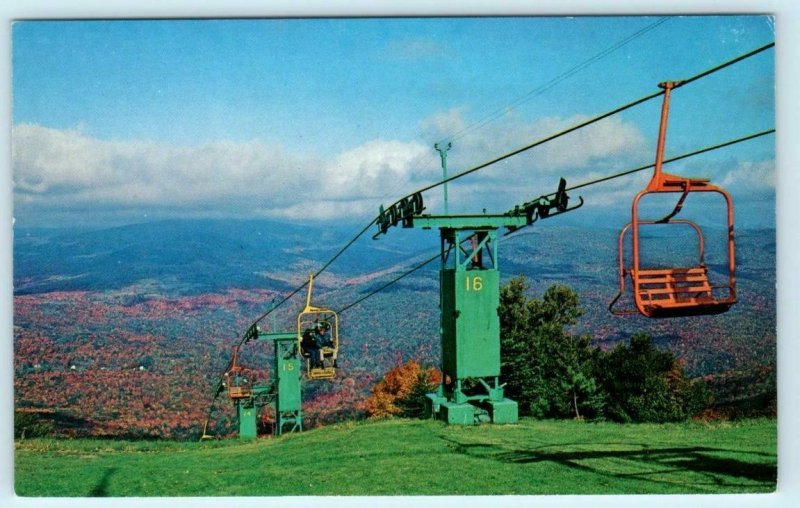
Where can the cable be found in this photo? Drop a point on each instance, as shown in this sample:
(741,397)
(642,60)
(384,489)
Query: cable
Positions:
(516,152)
(249,333)
(725,64)
(511,154)
(544,140)
(428,261)
(597,118)
(396,279)
(673,159)
(498,113)
(584,184)
(324,267)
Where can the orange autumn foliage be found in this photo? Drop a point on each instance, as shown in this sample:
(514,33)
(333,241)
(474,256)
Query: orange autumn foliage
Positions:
(398,384)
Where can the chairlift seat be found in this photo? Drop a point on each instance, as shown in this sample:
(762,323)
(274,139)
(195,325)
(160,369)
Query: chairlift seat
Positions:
(676,292)
(239,392)
(306,321)
(323,373)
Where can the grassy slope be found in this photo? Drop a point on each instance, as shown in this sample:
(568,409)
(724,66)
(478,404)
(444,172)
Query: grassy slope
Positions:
(405,457)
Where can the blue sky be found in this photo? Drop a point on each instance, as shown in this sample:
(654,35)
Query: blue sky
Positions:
(322,119)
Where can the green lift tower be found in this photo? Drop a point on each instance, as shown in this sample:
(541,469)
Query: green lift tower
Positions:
(288,403)
(283,390)
(469,281)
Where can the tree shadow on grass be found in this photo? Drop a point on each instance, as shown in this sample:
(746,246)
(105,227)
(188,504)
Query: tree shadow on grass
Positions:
(52,422)
(101,489)
(656,464)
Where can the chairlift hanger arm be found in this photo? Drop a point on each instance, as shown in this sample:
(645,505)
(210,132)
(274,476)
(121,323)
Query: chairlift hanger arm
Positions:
(408,212)
(543,206)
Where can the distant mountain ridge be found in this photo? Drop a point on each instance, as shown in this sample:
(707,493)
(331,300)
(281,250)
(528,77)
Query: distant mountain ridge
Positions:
(188,256)
(200,256)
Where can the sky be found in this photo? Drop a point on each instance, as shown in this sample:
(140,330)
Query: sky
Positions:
(123,121)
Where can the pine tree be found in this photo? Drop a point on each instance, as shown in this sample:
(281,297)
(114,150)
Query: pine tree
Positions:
(546,370)
(644,384)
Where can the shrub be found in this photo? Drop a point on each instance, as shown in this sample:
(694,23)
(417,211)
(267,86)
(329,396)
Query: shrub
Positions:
(30,425)
(644,384)
(402,391)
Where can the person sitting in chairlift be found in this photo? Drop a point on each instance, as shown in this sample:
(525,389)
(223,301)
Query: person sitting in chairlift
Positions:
(323,334)
(322,338)
(314,339)
(309,345)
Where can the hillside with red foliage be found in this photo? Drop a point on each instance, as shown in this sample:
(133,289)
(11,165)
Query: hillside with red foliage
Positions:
(143,360)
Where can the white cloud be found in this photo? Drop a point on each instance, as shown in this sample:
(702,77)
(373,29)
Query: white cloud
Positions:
(60,171)
(443,124)
(68,169)
(602,148)
(609,141)
(750,178)
(369,170)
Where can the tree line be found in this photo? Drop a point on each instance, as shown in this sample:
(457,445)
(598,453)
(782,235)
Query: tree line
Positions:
(554,374)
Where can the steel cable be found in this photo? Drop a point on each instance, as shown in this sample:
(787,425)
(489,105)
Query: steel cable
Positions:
(578,186)
(498,113)
(598,118)
(673,159)
(517,152)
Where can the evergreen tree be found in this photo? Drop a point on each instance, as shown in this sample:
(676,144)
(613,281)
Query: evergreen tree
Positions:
(30,425)
(644,384)
(546,370)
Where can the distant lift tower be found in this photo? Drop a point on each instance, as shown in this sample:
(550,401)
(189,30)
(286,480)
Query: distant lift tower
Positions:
(469,281)
(286,379)
(283,391)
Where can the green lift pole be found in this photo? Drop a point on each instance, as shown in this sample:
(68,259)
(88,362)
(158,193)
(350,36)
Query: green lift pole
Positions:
(287,371)
(469,281)
(443,155)
(247,410)
(283,391)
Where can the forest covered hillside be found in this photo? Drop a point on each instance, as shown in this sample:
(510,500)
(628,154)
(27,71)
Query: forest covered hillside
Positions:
(125,331)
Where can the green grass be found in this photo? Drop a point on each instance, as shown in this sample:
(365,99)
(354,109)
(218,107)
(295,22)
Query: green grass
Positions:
(414,457)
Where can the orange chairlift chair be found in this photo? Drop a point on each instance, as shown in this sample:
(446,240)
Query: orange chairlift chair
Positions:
(238,385)
(677,291)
